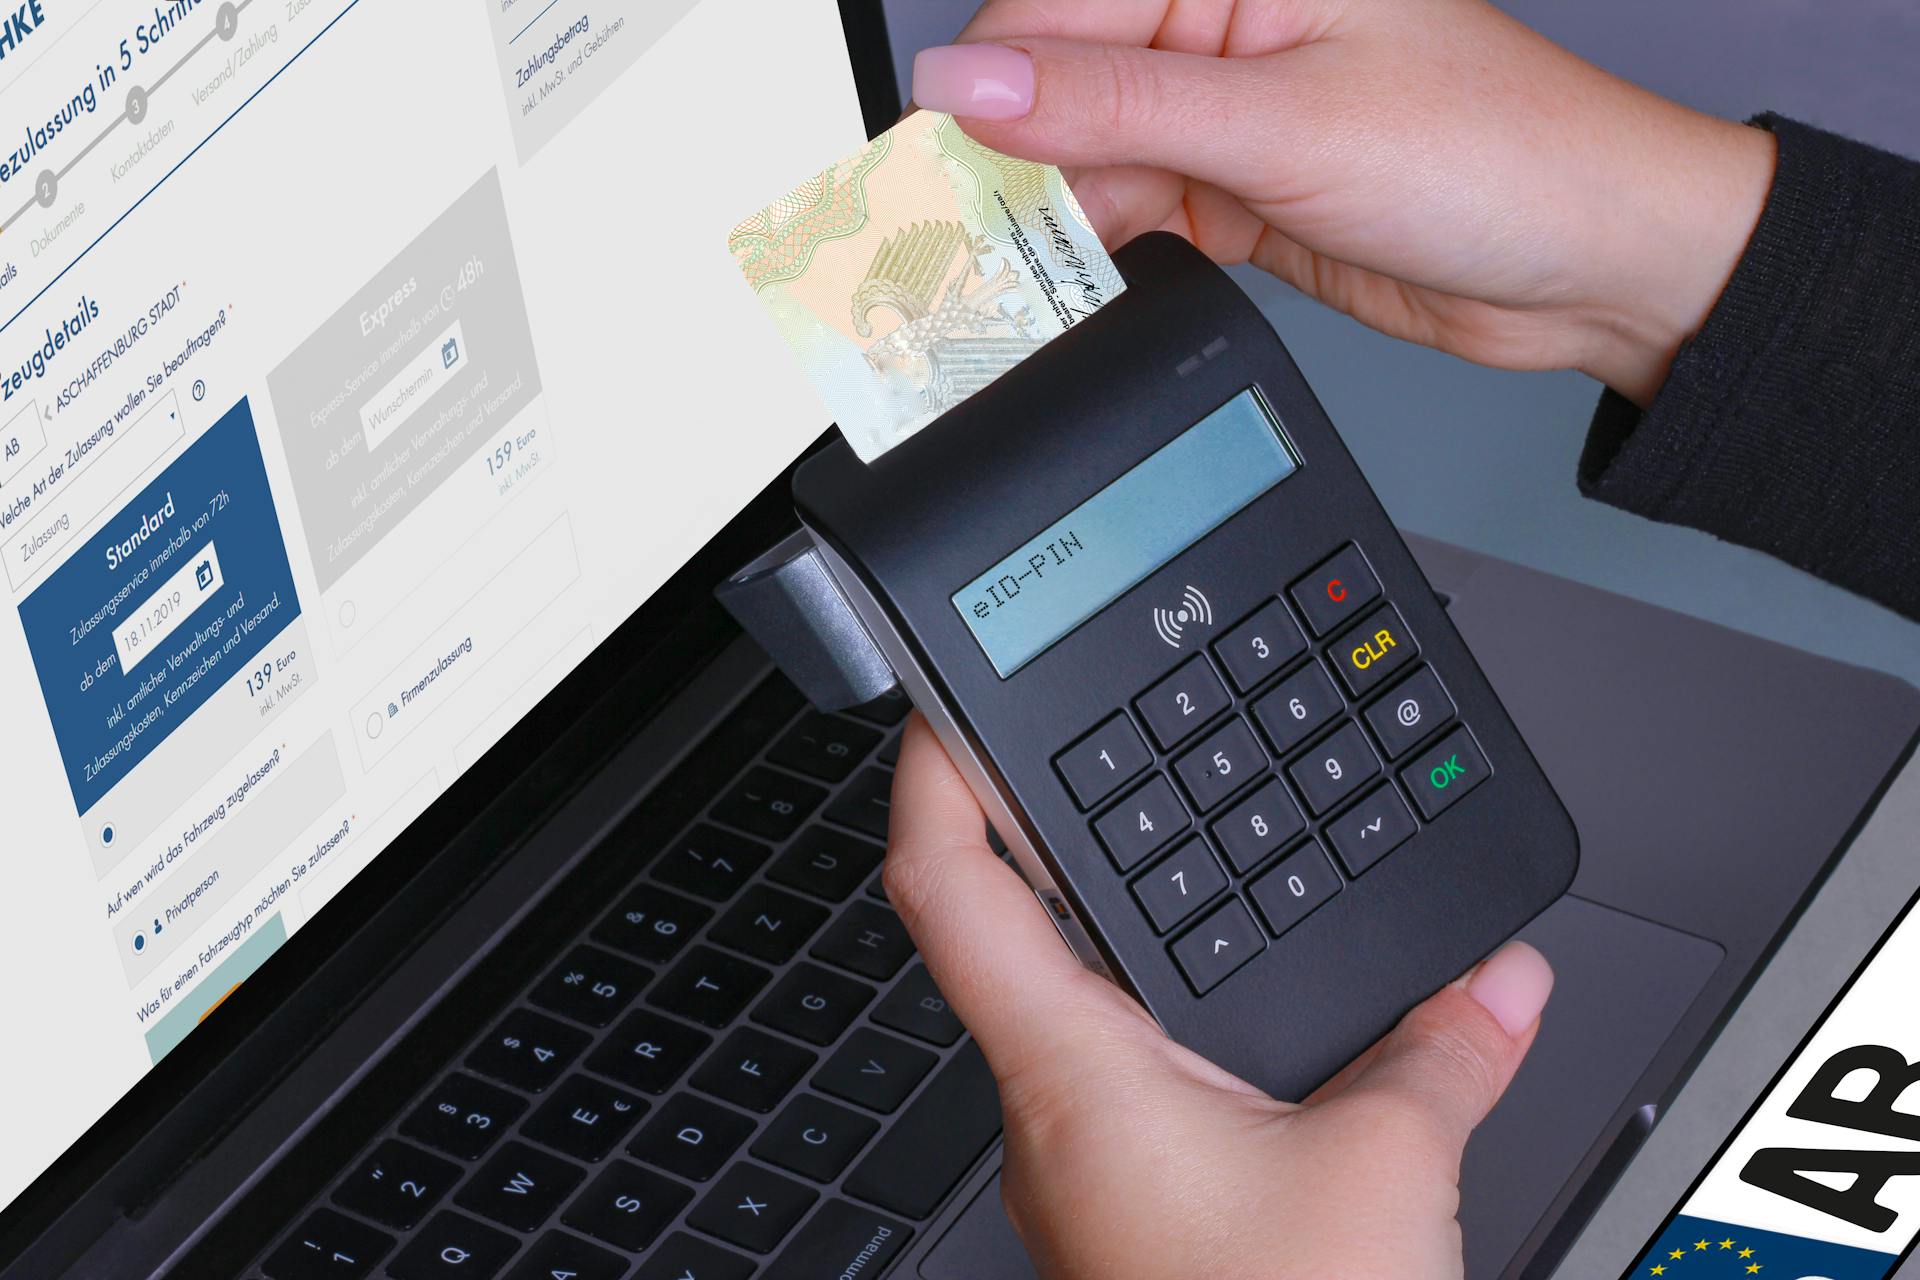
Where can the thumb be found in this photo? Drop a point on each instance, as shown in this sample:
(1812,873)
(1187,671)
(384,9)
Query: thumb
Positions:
(1096,105)
(987,942)
(1451,1058)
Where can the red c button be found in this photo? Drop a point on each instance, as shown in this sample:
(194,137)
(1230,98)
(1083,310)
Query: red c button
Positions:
(1336,590)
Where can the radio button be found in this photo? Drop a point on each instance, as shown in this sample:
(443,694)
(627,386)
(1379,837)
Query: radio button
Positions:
(1260,646)
(1339,588)
(1179,886)
(1335,769)
(1220,765)
(1258,825)
(1183,701)
(1451,769)
(1297,707)
(1142,823)
(1097,766)
(1372,651)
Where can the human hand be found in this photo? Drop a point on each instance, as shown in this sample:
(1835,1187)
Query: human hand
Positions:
(1130,1157)
(1431,167)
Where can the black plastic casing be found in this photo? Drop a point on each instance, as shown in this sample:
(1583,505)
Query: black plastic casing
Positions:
(934,512)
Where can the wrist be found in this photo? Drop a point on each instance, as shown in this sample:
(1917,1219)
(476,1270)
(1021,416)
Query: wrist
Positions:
(1671,245)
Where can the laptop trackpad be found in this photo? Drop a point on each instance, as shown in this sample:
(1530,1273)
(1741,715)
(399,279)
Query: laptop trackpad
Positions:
(1622,983)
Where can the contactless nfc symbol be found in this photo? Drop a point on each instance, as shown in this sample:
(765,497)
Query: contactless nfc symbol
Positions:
(1172,623)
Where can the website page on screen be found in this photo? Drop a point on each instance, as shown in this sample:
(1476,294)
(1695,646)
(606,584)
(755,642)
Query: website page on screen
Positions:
(362,365)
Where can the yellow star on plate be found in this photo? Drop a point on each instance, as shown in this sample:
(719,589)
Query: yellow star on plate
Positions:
(1658,1271)
(1726,1244)
(1753,1268)
(1678,1254)
(1746,1253)
(1700,1244)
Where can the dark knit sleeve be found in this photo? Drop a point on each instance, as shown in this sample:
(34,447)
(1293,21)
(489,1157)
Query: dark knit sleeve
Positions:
(1791,422)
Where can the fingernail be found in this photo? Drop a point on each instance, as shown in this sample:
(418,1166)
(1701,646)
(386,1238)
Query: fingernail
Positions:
(985,81)
(1513,985)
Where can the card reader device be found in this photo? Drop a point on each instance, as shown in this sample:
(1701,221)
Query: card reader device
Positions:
(1162,625)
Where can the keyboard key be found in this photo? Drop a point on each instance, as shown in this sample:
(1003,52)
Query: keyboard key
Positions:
(463,1116)
(1182,701)
(890,751)
(1260,646)
(1370,830)
(648,1052)
(769,924)
(813,1004)
(919,1161)
(328,1246)
(1334,591)
(652,924)
(814,1138)
(1334,769)
(453,1247)
(1372,651)
(1140,824)
(752,1207)
(1297,707)
(1448,771)
(712,863)
(590,986)
(584,1118)
(396,1185)
(1096,766)
(826,863)
(874,1070)
(528,1050)
(1291,891)
(1258,826)
(842,1240)
(868,939)
(1220,765)
(1180,885)
(752,1069)
(690,1136)
(708,986)
(865,803)
(519,1186)
(684,1257)
(559,1256)
(916,1007)
(769,804)
(1411,711)
(1218,945)
(824,747)
(626,1206)
(887,710)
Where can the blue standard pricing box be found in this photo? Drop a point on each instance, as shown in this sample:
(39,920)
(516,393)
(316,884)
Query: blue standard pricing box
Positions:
(161,608)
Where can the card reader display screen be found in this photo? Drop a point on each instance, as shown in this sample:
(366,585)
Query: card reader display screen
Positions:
(1086,559)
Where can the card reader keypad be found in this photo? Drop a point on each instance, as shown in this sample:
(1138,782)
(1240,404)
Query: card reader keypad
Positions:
(1357,744)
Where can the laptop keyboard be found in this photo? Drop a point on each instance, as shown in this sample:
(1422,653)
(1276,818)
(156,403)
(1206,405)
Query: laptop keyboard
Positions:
(740,1069)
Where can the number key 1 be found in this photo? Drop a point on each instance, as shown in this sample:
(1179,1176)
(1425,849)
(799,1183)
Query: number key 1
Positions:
(1095,767)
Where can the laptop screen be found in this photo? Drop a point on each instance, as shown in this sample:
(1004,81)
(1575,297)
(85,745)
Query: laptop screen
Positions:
(362,365)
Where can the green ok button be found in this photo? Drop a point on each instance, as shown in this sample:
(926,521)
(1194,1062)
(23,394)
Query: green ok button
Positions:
(1445,772)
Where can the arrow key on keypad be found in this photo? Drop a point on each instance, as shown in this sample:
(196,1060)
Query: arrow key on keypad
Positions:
(1221,943)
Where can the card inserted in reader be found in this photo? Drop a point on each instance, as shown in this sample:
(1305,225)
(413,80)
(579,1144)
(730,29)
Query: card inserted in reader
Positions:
(1162,625)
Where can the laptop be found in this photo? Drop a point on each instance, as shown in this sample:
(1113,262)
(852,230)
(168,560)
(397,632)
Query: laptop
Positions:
(420,876)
